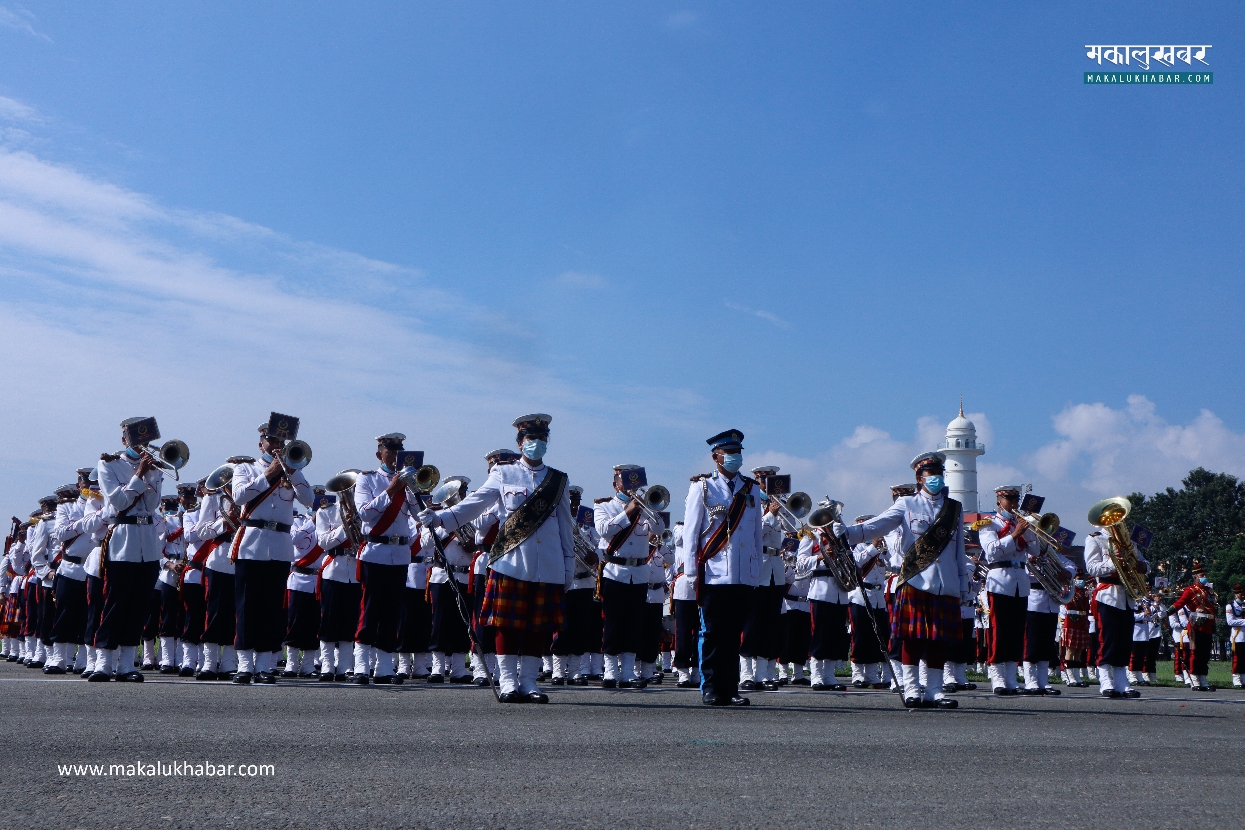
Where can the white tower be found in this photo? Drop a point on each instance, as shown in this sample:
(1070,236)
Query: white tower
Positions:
(962,449)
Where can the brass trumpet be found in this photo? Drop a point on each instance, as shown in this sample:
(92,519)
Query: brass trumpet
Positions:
(652,500)
(172,455)
(792,509)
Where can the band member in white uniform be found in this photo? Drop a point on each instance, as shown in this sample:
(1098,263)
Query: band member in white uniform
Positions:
(450,642)
(130,484)
(73,542)
(532,562)
(218,522)
(762,640)
(262,551)
(869,637)
(340,592)
(1005,546)
(570,645)
(1234,613)
(1041,622)
(194,610)
(1115,618)
(828,602)
(937,571)
(722,557)
(302,621)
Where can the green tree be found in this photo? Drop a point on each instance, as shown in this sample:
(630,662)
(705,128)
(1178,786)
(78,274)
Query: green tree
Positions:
(1205,519)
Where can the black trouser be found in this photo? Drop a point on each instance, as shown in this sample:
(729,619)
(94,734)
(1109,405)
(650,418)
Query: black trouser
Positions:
(574,636)
(258,598)
(302,621)
(1200,641)
(340,604)
(94,608)
(623,608)
(1007,628)
(220,617)
(170,610)
(723,609)
(650,633)
(449,632)
(763,628)
(382,605)
(46,597)
(1115,635)
(1040,644)
(128,587)
(416,622)
(151,623)
(70,623)
(193,612)
(829,637)
(1152,653)
(965,651)
(797,630)
(865,647)
(686,633)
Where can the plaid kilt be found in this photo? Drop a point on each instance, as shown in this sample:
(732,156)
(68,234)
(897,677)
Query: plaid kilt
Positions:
(520,605)
(920,615)
(1075,635)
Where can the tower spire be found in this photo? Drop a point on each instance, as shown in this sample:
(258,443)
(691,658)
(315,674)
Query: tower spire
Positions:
(961,404)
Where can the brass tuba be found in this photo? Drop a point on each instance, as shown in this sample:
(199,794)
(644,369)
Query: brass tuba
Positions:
(1044,565)
(342,486)
(834,551)
(1110,514)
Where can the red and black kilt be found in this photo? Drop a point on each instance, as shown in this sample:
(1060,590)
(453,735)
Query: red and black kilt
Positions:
(1075,635)
(519,605)
(920,615)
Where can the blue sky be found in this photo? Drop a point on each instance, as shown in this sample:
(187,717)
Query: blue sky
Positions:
(819,223)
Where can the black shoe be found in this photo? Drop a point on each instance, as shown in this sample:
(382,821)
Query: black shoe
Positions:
(383,680)
(436,678)
(819,687)
(1002,691)
(243,678)
(130,677)
(35,664)
(340,678)
(168,669)
(837,687)
(782,681)
(361,679)
(403,675)
(325,677)
(268,678)
(912,703)
(281,663)
(748,686)
(53,670)
(1112,694)
(624,684)
(1132,693)
(86,674)
(609,684)
(542,676)
(685,684)
(736,700)
(423,677)
(944,703)
(12,658)
(965,687)
(480,681)
(656,679)
(770,685)
(949,688)
(288,675)
(99,677)
(859,684)
(186,671)
(715,700)
(558,681)
(580,681)
(206,674)
(1026,692)
(595,678)
(537,697)
(461,680)
(512,697)
(801,681)
(1049,691)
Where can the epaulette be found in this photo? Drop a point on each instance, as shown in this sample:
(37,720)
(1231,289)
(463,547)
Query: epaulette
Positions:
(104,456)
(980,523)
(602,501)
(1096,533)
(700,477)
(239,459)
(751,480)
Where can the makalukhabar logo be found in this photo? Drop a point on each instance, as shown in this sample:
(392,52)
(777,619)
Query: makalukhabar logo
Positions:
(1140,56)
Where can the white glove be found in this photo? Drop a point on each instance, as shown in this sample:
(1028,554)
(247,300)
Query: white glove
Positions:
(429,518)
(838,530)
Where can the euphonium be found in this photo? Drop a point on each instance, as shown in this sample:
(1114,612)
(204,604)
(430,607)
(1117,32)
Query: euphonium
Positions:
(342,486)
(1110,514)
(1045,566)
(835,551)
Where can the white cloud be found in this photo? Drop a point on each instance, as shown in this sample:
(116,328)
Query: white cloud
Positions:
(21,20)
(579,279)
(764,315)
(11,110)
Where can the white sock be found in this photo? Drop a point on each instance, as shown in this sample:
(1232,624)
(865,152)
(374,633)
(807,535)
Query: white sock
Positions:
(490,660)
(1120,678)
(112,658)
(343,662)
(309,662)
(168,645)
(911,682)
(246,661)
(858,672)
(81,657)
(815,672)
(149,653)
(362,656)
(933,689)
(1009,674)
(598,662)
(479,670)
(575,665)
(1030,676)
(1041,671)
(1105,679)
(746,672)
(626,671)
(326,657)
(797,671)
(508,672)
(611,666)
(458,665)
(923,674)
(896,670)
(559,666)
(647,670)
(529,667)
(384,663)
(211,654)
(771,672)
(125,659)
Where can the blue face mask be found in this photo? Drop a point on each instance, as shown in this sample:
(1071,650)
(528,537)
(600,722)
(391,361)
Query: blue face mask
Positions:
(132,453)
(386,468)
(933,484)
(1080,583)
(1201,580)
(623,496)
(534,449)
(267,456)
(731,462)
(1004,512)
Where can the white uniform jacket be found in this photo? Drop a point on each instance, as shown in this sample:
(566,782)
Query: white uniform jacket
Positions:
(79,528)
(739,560)
(683,588)
(867,556)
(190,523)
(174,548)
(122,489)
(304,577)
(822,587)
(548,555)
(458,558)
(1007,575)
(1098,563)
(585,577)
(610,518)
(663,556)
(771,546)
(211,525)
(371,501)
(951,572)
(1234,610)
(331,536)
(260,543)
(1040,600)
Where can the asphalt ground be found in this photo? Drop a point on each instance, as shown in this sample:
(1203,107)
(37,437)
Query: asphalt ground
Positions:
(423,756)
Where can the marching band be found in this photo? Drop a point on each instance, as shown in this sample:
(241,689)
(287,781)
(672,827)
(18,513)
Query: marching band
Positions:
(397,574)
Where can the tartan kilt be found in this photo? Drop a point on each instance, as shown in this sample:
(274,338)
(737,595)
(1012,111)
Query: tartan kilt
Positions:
(1074,638)
(920,615)
(520,605)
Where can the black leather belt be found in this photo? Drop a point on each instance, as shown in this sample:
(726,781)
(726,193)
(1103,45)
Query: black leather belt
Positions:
(1112,579)
(304,571)
(994,566)
(583,575)
(227,536)
(194,566)
(627,562)
(76,560)
(892,571)
(771,551)
(458,569)
(341,550)
(870,586)
(387,540)
(653,586)
(418,560)
(133,520)
(822,572)
(262,525)
(1034,585)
